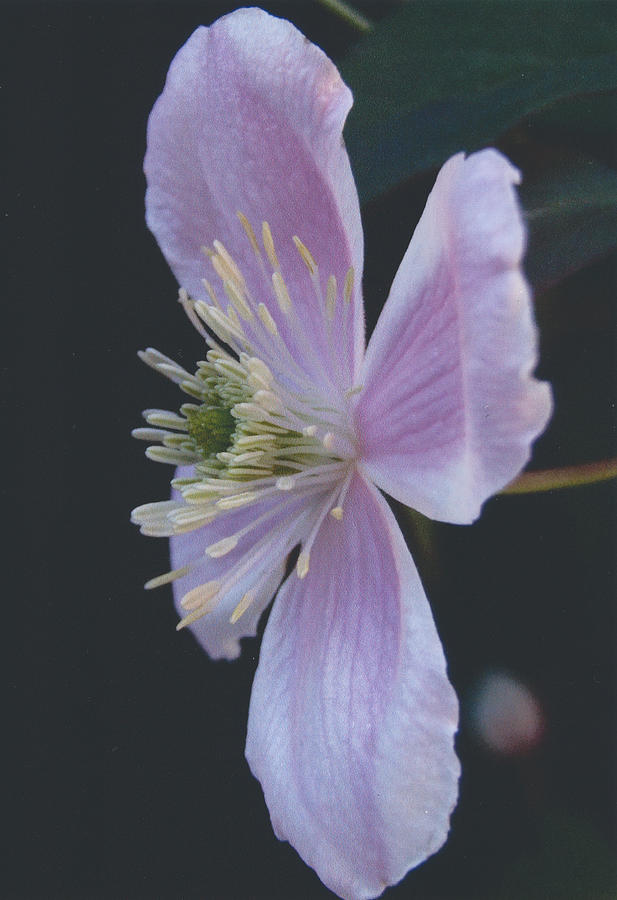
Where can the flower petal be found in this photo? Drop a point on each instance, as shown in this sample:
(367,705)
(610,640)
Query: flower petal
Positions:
(450,407)
(214,631)
(352,717)
(251,121)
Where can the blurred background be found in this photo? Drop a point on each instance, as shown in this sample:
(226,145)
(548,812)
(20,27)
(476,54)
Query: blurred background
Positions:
(127,776)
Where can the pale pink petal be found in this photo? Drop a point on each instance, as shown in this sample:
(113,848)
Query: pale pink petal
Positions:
(450,407)
(251,120)
(352,716)
(214,631)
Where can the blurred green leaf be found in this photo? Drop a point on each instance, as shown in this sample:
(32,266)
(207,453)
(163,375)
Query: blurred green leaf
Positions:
(443,76)
(571,211)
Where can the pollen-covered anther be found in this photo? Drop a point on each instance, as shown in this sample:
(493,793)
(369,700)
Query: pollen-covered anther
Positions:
(337,512)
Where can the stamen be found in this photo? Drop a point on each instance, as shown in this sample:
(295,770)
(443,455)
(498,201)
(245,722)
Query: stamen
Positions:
(331,297)
(304,252)
(211,293)
(269,246)
(167,577)
(269,401)
(282,294)
(302,566)
(223,547)
(266,318)
(286,483)
(337,512)
(172,456)
(237,500)
(148,434)
(230,263)
(350,392)
(242,607)
(337,444)
(250,234)
(200,595)
(348,287)
(164,419)
(188,307)
(257,367)
(238,300)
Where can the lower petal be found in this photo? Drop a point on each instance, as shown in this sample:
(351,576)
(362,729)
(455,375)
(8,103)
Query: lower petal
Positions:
(352,717)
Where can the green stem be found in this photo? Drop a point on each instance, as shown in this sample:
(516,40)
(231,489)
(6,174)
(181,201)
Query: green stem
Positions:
(568,476)
(348,14)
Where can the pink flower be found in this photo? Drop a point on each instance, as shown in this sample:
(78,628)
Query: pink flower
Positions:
(288,437)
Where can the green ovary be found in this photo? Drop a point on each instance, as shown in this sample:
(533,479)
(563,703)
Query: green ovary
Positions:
(211,428)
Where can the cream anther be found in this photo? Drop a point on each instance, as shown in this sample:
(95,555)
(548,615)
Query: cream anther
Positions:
(250,234)
(266,235)
(351,392)
(222,547)
(237,500)
(266,318)
(250,411)
(229,262)
(337,512)
(166,578)
(305,253)
(282,294)
(302,566)
(269,401)
(331,297)
(336,443)
(240,304)
(259,368)
(242,607)
(348,286)
(286,483)
(200,595)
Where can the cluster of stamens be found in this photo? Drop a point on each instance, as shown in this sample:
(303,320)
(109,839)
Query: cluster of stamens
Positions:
(250,435)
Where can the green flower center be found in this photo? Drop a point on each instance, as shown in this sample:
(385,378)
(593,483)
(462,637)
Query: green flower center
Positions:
(210,428)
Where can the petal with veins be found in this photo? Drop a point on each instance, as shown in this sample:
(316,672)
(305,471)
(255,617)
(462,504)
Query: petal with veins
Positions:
(352,716)
(450,407)
(254,125)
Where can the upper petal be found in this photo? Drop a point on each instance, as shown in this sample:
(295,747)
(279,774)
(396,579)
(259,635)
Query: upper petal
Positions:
(352,717)
(251,121)
(450,407)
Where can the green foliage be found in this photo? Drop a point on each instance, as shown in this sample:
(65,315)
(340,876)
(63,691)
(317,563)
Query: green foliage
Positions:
(571,210)
(439,77)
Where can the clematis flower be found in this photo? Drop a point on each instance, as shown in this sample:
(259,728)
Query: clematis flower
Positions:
(292,429)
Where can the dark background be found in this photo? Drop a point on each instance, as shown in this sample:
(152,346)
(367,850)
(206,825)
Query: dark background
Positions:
(127,777)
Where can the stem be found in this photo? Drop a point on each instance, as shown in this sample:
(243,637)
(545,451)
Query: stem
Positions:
(348,14)
(565,477)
